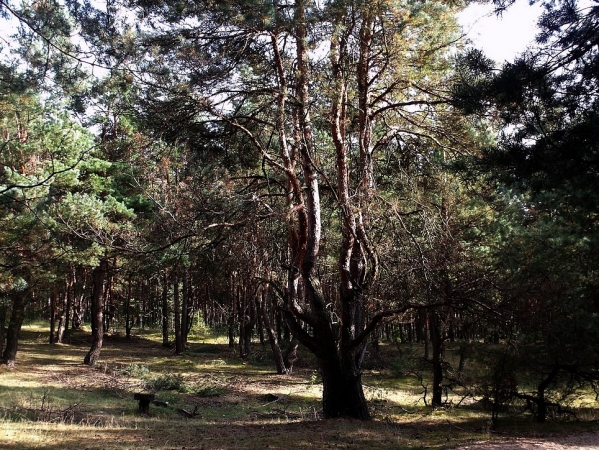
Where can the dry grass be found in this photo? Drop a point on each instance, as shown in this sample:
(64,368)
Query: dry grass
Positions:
(52,401)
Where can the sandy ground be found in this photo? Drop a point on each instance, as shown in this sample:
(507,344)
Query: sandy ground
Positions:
(583,441)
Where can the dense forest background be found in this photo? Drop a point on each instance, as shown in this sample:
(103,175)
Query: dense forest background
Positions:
(324,174)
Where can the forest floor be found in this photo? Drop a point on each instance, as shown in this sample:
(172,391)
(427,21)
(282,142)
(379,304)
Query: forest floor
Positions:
(582,441)
(216,400)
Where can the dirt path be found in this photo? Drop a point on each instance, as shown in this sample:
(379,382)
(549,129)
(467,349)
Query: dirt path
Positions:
(582,441)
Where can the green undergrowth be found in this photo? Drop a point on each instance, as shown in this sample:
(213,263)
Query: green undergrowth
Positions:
(208,398)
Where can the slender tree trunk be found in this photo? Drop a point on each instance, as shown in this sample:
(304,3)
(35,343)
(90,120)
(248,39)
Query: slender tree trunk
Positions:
(247,321)
(244,347)
(234,310)
(177,310)
(62,320)
(231,329)
(165,312)
(109,306)
(259,322)
(425,336)
(14,328)
(437,359)
(272,337)
(128,318)
(541,402)
(290,356)
(52,337)
(185,316)
(79,292)
(2,324)
(98,277)
(69,306)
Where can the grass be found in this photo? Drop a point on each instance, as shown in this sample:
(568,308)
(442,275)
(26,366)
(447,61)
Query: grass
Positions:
(51,400)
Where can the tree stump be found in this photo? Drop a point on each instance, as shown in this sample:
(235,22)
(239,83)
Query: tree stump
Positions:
(144,402)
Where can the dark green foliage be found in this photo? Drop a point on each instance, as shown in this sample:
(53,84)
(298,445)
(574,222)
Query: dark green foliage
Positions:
(548,107)
(546,165)
(166,382)
(135,370)
(210,391)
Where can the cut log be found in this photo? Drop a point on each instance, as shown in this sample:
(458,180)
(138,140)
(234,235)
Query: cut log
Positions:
(144,400)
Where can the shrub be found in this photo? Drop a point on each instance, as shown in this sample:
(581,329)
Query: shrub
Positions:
(135,370)
(167,382)
(210,391)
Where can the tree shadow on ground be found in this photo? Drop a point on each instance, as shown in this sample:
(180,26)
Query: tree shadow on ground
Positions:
(237,405)
(258,434)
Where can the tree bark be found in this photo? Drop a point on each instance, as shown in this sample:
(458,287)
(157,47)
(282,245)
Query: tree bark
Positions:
(69,303)
(247,321)
(231,329)
(290,356)
(98,277)
(128,318)
(177,310)
(17,316)
(79,295)
(343,395)
(52,337)
(2,325)
(541,402)
(437,341)
(165,312)
(277,353)
(60,329)
(185,309)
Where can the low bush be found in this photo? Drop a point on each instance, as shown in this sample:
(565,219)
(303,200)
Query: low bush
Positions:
(167,382)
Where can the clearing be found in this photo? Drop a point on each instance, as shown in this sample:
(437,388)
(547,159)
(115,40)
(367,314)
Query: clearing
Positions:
(216,400)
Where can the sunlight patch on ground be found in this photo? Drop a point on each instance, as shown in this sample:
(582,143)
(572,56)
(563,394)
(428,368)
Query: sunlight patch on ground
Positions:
(238,403)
